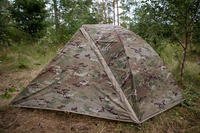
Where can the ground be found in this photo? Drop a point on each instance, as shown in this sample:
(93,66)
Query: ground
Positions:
(183,118)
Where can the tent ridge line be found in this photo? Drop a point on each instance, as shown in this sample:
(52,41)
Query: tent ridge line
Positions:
(110,75)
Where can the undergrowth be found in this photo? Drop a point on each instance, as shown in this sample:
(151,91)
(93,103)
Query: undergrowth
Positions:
(171,55)
(8,93)
(26,56)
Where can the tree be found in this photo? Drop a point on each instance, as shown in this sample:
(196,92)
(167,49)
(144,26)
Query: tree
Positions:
(115,7)
(56,14)
(113,12)
(29,16)
(76,13)
(104,7)
(117,4)
(150,24)
(104,10)
(127,16)
(109,11)
(174,19)
(4,20)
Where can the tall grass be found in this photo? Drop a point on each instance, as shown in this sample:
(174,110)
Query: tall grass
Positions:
(26,55)
(171,55)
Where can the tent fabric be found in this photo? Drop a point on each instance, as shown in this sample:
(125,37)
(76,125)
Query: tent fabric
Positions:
(104,71)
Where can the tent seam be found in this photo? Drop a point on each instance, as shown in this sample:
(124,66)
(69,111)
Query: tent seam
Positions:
(110,75)
(128,59)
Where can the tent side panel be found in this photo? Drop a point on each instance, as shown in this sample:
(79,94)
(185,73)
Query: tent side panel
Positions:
(156,89)
(76,82)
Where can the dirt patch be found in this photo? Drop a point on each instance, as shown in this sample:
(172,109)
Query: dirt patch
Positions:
(31,120)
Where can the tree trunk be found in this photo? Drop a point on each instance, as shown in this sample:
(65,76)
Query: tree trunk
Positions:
(184,56)
(114,12)
(104,11)
(98,12)
(117,12)
(183,63)
(56,19)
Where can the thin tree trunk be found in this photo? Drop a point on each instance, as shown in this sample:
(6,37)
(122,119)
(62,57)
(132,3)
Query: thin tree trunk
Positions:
(104,11)
(56,19)
(183,63)
(114,12)
(184,56)
(117,12)
(190,38)
(98,12)
(185,46)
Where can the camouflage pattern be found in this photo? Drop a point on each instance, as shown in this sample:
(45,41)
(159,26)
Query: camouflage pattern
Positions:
(104,71)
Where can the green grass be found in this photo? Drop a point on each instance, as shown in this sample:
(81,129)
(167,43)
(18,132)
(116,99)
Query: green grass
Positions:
(26,56)
(8,93)
(191,84)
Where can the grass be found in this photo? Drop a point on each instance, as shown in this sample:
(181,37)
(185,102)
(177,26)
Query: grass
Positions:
(26,56)
(8,93)
(182,118)
(171,55)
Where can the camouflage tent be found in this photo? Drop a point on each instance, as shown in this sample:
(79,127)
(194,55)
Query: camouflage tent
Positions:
(104,71)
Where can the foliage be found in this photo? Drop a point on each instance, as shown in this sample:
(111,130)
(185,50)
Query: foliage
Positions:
(191,82)
(165,18)
(4,21)
(169,19)
(8,93)
(103,11)
(29,16)
(76,13)
(27,55)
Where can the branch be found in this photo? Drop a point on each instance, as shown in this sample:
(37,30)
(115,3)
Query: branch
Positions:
(179,41)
